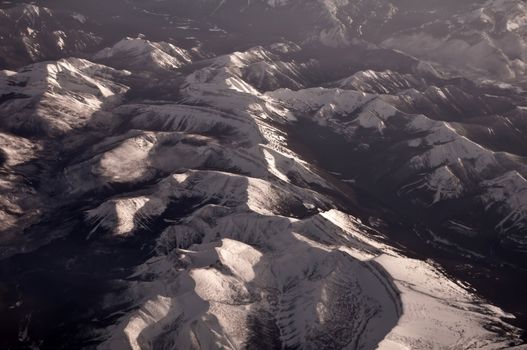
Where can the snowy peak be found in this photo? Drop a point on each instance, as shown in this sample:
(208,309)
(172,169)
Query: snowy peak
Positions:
(386,82)
(141,54)
(499,15)
(245,194)
(491,37)
(52,98)
(28,14)
(442,161)
(508,194)
(31,33)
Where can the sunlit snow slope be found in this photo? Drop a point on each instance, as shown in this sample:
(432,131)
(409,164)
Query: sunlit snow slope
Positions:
(311,192)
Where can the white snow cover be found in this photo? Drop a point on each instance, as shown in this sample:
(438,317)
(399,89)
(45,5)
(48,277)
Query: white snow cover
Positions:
(509,193)
(385,82)
(193,119)
(261,258)
(333,33)
(315,282)
(447,146)
(327,104)
(124,214)
(442,184)
(491,43)
(441,146)
(32,33)
(44,99)
(56,97)
(139,53)
(19,208)
(138,157)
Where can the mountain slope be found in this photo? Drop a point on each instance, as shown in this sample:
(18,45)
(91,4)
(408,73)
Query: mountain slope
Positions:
(32,33)
(206,182)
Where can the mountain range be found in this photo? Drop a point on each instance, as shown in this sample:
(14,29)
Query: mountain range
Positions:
(315,174)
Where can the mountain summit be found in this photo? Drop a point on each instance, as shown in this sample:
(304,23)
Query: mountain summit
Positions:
(263,174)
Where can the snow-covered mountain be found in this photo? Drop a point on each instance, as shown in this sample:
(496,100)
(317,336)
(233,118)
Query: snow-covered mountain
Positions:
(56,97)
(489,33)
(488,40)
(327,187)
(143,54)
(415,155)
(33,33)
